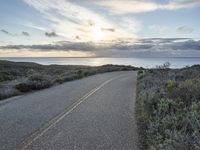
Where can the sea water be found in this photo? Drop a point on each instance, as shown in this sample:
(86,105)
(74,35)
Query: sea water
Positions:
(177,62)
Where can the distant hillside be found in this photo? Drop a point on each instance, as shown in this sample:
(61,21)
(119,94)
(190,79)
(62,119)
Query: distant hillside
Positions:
(19,77)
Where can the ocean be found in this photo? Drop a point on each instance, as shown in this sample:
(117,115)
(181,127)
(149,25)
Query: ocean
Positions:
(138,62)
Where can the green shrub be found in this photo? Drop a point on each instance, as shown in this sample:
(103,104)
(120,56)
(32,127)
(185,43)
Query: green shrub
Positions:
(80,73)
(166,65)
(187,91)
(169,122)
(140,72)
(34,82)
(4,76)
(23,87)
(1,96)
(38,77)
(170,86)
(59,80)
(169,110)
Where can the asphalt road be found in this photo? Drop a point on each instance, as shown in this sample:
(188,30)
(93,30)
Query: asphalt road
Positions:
(94,113)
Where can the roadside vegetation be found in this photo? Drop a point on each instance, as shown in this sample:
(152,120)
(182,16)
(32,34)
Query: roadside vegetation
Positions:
(168,108)
(19,77)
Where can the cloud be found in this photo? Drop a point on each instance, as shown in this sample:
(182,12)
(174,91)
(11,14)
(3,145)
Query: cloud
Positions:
(5,32)
(69,19)
(32,25)
(161,40)
(185,45)
(136,6)
(184,29)
(127,6)
(148,47)
(2,43)
(180,4)
(25,33)
(15,34)
(159,28)
(167,30)
(51,34)
(77,37)
(108,29)
(155,44)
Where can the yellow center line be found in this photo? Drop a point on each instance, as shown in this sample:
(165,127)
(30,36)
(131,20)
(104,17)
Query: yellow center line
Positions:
(33,137)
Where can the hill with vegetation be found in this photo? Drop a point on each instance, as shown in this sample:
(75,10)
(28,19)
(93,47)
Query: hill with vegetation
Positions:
(19,77)
(168,108)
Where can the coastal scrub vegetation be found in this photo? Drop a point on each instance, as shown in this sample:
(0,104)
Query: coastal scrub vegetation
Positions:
(19,77)
(168,108)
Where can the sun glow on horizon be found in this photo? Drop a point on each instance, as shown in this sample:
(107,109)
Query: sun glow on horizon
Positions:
(52,53)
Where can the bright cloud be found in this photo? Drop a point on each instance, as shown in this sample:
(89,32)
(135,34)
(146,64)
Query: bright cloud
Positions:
(41,53)
(128,6)
(99,27)
(180,4)
(71,20)
(138,6)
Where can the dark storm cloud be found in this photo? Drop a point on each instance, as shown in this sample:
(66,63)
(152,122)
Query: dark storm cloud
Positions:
(51,34)
(25,33)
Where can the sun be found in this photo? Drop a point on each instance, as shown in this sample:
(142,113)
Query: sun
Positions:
(97,34)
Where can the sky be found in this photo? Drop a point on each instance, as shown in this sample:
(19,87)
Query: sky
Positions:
(99,28)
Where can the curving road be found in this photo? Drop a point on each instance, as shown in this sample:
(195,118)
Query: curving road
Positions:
(94,113)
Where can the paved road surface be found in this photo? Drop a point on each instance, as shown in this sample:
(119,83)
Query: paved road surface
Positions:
(94,113)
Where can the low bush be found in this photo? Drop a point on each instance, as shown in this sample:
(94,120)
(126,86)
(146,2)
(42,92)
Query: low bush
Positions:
(8,92)
(170,86)
(168,110)
(34,82)
(5,76)
(1,96)
(23,87)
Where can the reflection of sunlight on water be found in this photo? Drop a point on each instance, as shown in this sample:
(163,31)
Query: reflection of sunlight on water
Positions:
(98,61)
(138,62)
(85,61)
